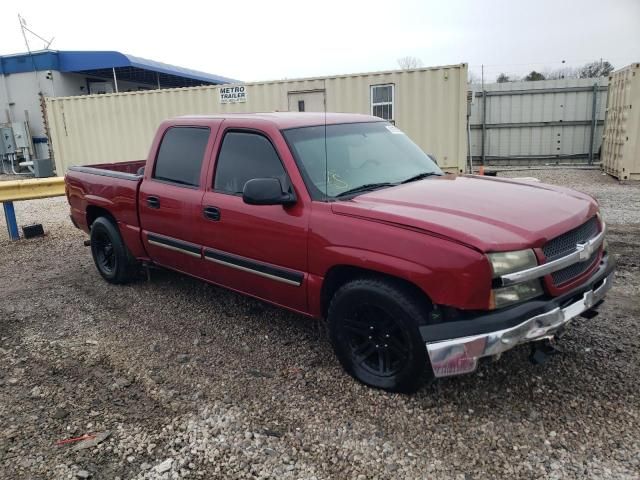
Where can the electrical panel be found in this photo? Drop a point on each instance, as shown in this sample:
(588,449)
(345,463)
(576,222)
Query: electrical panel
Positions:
(7,140)
(22,136)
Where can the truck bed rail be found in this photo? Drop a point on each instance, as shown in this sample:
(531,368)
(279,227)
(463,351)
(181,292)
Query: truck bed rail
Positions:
(106,173)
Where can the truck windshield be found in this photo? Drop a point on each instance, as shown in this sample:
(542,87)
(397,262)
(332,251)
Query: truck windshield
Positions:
(355,158)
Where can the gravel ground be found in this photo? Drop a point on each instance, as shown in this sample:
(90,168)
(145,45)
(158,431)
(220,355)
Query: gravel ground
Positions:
(183,379)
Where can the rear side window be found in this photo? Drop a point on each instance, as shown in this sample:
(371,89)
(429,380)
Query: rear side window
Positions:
(180,155)
(244,156)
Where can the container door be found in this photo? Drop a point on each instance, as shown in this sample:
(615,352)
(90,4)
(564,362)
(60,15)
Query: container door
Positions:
(313,101)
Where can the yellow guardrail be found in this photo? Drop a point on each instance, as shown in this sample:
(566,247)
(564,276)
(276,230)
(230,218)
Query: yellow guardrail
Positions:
(29,189)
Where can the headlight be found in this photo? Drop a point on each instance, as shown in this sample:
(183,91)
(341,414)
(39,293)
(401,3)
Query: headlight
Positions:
(501,297)
(509,262)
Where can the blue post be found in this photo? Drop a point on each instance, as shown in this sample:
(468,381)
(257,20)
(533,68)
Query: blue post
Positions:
(10,217)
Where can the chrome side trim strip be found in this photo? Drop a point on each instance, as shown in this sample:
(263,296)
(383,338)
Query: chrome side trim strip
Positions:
(256,272)
(583,252)
(175,249)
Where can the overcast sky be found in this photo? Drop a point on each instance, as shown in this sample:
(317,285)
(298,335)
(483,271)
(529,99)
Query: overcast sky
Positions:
(271,39)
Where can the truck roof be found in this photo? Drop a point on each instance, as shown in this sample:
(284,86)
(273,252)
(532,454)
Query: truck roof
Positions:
(284,120)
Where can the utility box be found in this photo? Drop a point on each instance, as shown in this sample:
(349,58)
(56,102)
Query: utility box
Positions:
(621,140)
(6,138)
(42,167)
(22,137)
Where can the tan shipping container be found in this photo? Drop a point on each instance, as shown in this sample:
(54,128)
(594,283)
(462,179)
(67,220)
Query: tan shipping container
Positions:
(621,139)
(429,104)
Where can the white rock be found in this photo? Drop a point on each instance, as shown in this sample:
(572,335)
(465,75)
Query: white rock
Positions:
(164,466)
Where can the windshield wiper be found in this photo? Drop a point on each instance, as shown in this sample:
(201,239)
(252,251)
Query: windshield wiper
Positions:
(420,176)
(365,188)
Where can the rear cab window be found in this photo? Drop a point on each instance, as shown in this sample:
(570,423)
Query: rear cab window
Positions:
(180,155)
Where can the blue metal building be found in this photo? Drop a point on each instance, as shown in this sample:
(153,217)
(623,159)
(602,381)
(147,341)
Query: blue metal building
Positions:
(27,77)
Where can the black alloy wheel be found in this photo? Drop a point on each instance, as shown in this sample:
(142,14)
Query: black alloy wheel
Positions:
(111,256)
(374,328)
(377,342)
(105,256)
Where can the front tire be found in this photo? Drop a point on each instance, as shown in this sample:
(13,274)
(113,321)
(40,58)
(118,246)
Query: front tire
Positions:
(374,328)
(111,256)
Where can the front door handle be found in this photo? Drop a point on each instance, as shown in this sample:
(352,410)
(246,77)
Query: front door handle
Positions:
(153,202)
(211,213)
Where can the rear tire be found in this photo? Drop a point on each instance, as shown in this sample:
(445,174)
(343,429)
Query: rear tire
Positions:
(374,328)
(111,256)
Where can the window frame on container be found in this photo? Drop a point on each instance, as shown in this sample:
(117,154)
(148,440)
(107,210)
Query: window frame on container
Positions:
(391,103)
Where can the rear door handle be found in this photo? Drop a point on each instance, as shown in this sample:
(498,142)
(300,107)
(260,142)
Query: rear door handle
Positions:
(153,202)
(212,213)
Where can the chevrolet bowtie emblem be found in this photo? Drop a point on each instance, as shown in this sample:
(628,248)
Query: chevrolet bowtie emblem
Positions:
(584,250)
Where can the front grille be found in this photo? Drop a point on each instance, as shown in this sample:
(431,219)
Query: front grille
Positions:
(565,244)
(575,270)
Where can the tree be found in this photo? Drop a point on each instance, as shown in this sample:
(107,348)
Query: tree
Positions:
(533,76)
(595,69)
(560,73)
(503,78)
(407,63)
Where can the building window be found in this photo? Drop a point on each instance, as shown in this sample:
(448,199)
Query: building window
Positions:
(382,97)
(301,105)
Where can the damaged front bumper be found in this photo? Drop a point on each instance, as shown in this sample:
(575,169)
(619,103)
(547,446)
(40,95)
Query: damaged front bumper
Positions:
(532,321)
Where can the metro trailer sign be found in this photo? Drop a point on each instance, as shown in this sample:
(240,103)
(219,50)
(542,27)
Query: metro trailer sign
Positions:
(233,94)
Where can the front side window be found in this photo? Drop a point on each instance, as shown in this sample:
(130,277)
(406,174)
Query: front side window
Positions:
(382,101)
(245,156)
(181,154)
(336,160)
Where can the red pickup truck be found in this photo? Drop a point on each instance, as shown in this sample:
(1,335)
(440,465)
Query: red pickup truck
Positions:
(341,217)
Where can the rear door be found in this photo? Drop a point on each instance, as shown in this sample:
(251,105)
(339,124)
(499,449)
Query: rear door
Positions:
(171,196)
(257,249)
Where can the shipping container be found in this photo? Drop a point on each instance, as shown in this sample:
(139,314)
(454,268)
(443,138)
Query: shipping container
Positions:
(428,104)
(621,142)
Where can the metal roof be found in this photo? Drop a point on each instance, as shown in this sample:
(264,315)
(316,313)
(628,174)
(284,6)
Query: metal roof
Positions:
(101,63)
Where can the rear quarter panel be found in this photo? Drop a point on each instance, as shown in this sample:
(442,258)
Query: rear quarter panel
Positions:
(115,195)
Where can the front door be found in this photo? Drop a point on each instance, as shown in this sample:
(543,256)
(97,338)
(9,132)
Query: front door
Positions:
(170,198)
(311,101)
(256,249)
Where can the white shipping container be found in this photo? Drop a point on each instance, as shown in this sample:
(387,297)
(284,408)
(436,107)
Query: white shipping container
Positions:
(429,104)
(621,141)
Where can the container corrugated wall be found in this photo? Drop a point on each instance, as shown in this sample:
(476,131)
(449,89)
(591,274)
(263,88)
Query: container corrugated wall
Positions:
(543,119)
(430,106)
(621,143)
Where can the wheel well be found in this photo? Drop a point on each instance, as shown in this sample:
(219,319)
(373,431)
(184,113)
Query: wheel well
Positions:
(340,275)
(94,212)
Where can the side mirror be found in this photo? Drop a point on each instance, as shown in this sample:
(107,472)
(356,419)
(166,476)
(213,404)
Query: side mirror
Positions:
(266,191)
(433,157)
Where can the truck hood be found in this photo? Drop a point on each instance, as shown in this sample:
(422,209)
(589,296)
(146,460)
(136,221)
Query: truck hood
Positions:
(486,213)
